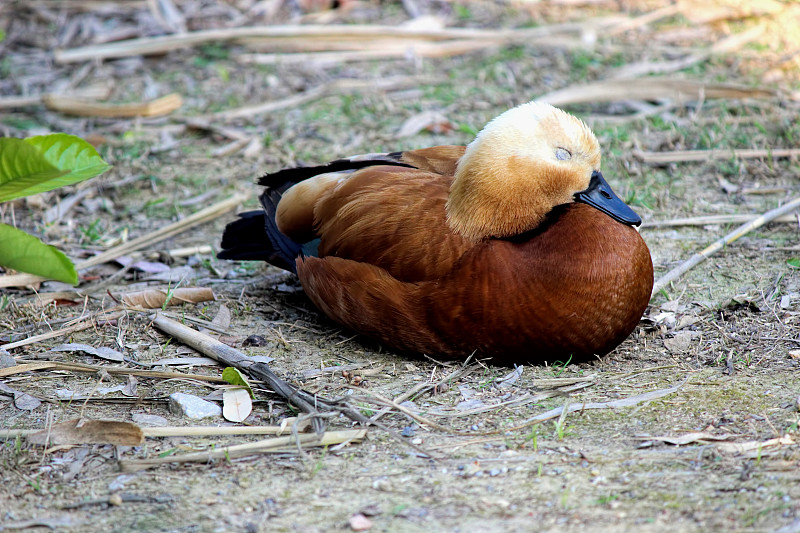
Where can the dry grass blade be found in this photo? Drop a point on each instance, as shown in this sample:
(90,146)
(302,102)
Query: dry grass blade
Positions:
(159,45)
(86,108)
(277,444)
(691,156)
(650,89)
(720,243)
(80,326)
(204,215)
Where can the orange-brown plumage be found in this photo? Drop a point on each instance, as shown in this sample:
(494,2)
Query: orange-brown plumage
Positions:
(424,250)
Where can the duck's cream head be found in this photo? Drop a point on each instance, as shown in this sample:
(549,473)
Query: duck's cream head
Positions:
(522,164)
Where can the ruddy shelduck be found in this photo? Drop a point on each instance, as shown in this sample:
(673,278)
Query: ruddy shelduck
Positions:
(513,247)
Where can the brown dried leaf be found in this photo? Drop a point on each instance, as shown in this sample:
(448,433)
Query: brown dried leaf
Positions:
(155,298)
(81,431)
(223,317)
(427,120)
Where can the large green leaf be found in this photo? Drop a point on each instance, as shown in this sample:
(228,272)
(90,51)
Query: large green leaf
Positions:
(46,162)
(26,253)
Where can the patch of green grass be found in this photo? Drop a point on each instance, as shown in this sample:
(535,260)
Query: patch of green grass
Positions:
(92,233)
(210,53)
(20,122)
(608,498)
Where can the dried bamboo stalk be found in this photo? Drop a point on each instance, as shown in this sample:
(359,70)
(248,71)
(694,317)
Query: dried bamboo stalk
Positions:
(717,245)
(87,108)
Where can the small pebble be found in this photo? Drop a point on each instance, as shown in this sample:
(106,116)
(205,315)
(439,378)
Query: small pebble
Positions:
(408,431)
(416,441)
(255,340)
(115,499)
(359,522)
(494,472)
(192,407)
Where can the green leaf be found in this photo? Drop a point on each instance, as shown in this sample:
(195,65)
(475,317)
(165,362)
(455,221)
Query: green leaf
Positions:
(793,262)
(234,377)
(46,162)
(26,253)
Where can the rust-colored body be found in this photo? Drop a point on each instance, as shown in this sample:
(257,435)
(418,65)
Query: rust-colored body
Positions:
(391,269)
(532,279)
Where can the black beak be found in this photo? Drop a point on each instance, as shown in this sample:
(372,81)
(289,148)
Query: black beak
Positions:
(600,196)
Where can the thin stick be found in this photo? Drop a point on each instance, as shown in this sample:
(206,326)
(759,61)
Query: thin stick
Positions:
(28,366)
(80,326)
(713,219)
(204,215)
(282,444)
(717,245)
(688,156)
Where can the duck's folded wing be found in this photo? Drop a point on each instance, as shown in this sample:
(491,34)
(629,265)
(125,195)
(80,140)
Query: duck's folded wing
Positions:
(392,218)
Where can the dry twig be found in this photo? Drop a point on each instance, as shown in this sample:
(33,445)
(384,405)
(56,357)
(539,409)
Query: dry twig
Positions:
(277,444)
(720,243)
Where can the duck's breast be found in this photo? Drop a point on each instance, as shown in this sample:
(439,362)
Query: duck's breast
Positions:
(577,287)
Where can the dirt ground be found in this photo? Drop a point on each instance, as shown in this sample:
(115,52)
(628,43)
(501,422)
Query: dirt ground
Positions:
(716,449)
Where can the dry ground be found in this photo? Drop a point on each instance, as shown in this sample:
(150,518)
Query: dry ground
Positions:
(726,332)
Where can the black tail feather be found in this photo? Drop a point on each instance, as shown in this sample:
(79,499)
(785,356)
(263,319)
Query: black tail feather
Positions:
(255,237)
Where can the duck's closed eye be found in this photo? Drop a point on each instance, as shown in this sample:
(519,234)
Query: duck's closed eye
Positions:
(562,154)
